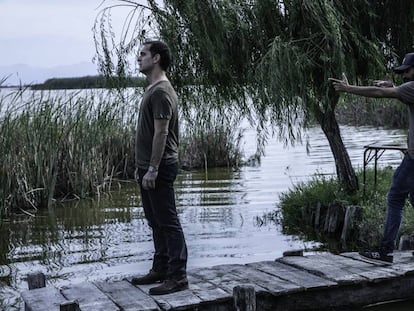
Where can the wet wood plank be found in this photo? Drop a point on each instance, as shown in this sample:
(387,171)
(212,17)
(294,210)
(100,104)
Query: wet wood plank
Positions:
(222,278)
(41,299)
(206,290)
(271,283)
(296,276)
(175,301)
(328,270)
(371,272)
(127,296)
(89,297)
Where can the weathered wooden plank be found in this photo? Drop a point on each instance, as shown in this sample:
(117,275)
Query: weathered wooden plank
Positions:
(403,256)
(322,269)
(40,299)
(367,270)
(404,268)
(222,277)
(297,276)
(89,297)
(205,290)
(403,265)
(403,262)
(127,296)
(181,300)
(343,261)
(271,283)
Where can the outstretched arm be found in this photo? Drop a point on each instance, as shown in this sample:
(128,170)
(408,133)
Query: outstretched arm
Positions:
(367,91)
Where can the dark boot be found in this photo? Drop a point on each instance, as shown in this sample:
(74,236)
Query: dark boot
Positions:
(150,278)
(169,286)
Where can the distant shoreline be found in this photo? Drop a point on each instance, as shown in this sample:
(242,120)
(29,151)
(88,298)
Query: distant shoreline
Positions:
(85,82)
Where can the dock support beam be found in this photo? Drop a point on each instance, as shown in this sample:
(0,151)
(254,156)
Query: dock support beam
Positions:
(36,280)
(69,306)
(244,298)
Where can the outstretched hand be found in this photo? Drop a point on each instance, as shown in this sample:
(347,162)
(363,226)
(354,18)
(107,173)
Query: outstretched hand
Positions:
(339,85)
(383,83)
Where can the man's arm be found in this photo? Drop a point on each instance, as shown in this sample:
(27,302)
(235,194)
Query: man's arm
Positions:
(159,141)
(158,146)
(367,91)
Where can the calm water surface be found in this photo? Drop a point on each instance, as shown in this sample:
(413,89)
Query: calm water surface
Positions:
(221,213)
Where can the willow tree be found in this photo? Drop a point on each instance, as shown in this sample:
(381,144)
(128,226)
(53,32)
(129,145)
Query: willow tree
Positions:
(266,59)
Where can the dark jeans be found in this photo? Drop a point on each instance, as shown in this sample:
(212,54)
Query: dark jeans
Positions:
(170,255)
(401,188)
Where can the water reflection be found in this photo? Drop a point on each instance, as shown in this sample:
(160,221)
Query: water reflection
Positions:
(110,239)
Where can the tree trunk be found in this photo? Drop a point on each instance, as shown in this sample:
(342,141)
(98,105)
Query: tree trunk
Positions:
(344,169)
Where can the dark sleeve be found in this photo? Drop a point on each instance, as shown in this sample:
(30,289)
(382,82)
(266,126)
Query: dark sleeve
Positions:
(161,105)
(406,92)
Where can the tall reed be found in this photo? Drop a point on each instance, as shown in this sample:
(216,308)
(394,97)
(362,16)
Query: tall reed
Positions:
(210,139)
(58,145)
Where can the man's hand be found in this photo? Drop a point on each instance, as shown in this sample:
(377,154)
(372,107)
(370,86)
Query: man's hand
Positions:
(339,85)
(148,181)
(383,83)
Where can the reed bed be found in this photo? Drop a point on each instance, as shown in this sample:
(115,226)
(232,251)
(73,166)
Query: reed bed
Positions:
(62,145)
(210,139)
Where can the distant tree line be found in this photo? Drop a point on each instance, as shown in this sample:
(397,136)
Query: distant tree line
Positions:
(89,82)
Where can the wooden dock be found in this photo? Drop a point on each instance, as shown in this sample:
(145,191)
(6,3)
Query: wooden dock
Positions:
(299,282)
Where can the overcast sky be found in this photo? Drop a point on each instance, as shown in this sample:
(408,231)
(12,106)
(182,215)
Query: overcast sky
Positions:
(47,33)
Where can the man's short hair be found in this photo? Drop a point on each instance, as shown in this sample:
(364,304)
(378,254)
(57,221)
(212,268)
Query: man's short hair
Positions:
(161,48)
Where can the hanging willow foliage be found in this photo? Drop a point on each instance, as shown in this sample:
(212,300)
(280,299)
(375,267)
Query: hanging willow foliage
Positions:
(267,60)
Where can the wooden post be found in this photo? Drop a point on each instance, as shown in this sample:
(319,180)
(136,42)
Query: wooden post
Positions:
(352,216)
(36,280)
(334,217)
(244,298)
(317,216)
(294,252)
(406,243)
(70,306)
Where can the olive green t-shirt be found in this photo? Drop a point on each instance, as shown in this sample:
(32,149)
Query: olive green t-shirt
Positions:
(159,102)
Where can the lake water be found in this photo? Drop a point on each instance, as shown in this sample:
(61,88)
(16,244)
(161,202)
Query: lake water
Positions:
(221,213)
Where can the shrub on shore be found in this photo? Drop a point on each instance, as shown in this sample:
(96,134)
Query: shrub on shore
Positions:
(300,205)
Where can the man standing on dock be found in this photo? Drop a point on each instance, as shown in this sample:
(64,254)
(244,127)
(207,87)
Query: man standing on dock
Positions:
(156,160)
(403,180)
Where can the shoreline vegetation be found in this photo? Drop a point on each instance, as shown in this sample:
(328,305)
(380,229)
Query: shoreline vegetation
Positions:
(75,144)
(309,210)
(69,145)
